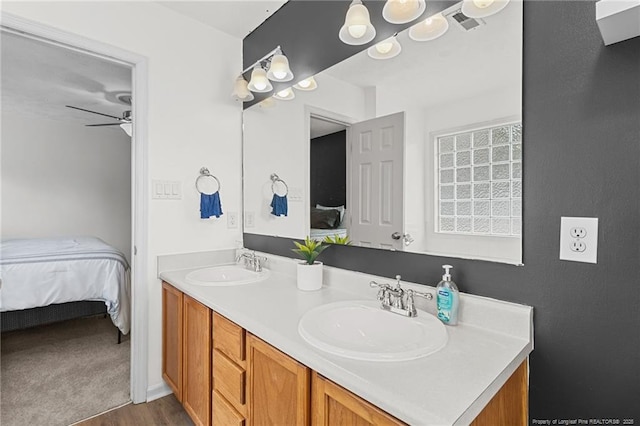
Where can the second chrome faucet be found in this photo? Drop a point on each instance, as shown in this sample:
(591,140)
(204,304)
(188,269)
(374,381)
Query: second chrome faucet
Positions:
(397,299)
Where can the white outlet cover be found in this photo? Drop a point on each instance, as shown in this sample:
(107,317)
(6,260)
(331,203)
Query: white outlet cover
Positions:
(590,224)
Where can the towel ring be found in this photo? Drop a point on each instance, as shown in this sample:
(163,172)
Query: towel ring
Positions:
(275,179)
(204,173)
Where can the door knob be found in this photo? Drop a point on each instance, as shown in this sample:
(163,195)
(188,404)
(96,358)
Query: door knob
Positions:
(406,238)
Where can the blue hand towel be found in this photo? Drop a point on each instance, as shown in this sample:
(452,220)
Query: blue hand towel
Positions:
(279,205)
(210,205)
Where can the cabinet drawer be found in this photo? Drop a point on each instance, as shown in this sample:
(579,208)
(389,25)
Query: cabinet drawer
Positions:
(229,379)
(224,414)
(229,338)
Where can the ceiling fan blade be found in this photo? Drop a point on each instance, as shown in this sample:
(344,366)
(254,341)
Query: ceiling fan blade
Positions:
(98,125)
(94,112)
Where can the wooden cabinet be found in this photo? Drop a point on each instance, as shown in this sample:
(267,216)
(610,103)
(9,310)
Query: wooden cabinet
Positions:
(334,405)
(278,388)
(226,376)
(186,352)
(229,372)
(510,405)
(172,338)
(196,367)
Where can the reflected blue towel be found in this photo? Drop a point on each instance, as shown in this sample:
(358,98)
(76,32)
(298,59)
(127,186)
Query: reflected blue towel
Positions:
(210,205)
(279,205)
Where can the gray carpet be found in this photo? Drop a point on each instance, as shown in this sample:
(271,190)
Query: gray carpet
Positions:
(61,373)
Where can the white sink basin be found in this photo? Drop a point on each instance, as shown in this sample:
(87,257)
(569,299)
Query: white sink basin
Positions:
(225,275)
(362,330)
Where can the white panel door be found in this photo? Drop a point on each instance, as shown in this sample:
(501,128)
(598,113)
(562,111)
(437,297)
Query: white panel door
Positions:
(376,187)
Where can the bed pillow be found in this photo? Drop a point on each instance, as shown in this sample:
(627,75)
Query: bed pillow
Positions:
(325,218)
(341,209)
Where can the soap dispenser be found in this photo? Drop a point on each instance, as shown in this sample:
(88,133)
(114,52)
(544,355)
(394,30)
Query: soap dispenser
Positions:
(447,298)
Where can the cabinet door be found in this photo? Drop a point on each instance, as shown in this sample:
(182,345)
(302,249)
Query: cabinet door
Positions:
(278,388)
(509,407)
(196,391)
(334,405)
(172,338)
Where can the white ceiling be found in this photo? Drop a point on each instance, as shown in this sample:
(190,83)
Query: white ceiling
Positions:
(458,65)
(234,17)
(320,127)
(39,79)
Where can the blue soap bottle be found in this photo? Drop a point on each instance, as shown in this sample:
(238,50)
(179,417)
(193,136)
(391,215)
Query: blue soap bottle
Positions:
(447,298)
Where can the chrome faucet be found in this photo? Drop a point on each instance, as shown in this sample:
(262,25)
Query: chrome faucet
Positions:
(251,260)
(399,305)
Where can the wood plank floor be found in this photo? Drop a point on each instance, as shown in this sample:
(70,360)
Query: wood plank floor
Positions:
(164,411)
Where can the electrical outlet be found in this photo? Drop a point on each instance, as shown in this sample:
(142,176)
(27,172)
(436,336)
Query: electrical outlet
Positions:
(579,239)
(578,232)
(232,220)
(249,219)
(578,246)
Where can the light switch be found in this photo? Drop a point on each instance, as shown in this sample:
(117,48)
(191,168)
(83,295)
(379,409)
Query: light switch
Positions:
(166,190)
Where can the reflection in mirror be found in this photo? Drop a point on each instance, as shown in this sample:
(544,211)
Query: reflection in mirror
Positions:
(420,152)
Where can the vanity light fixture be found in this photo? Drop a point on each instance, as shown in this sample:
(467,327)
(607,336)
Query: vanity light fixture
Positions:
(482,8)
(259,82)
(430,29)
(403,11)
(357,28)
(279,69)
(386,49)
(285,95)
(241,91)
(308,84)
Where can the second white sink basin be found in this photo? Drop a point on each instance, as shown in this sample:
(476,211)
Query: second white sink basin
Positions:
(362,330)
(225,275)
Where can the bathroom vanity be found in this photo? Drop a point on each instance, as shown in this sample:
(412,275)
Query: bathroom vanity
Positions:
(233,355)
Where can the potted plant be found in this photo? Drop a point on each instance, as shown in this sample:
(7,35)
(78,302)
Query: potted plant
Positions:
(310,271)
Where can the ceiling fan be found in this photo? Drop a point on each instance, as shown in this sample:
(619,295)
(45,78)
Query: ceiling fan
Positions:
(125,122)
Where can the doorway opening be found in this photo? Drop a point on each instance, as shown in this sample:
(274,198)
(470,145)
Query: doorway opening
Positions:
(103,181)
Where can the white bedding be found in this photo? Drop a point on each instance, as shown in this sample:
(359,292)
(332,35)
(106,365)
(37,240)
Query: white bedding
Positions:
(319,234)
(40,272)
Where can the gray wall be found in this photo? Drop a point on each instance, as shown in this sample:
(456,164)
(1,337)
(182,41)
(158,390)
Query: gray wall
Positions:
(581,119)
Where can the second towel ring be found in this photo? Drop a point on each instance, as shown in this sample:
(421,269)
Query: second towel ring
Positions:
(204,173)
(275,179)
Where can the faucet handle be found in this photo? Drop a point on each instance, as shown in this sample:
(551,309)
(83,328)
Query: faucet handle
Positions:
(411,307)
(383,294)
(425,294)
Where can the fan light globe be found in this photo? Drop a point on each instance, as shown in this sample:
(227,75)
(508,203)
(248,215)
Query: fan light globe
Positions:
(482,8)
(259,82)
(241,91)
(279,69)
(307,84)
(386,49)
(403,11)
(430,29)
(357,28)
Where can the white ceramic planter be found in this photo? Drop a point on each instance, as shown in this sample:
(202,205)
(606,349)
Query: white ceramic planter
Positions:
(309,276)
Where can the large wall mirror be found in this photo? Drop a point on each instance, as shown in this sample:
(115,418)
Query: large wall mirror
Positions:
(421,152)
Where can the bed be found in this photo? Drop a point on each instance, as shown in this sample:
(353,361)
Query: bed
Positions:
(327,221)
(41,273)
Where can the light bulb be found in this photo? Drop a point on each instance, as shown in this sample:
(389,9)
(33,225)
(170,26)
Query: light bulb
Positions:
(305,83)
(357,31)
(279,74)
(483,3)
(384,47)
(429,29)
(259,82)
(402,11)
(279,69)
(283,93)
(260,85)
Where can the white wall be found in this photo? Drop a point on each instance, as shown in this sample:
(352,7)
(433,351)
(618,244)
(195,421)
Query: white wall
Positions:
(192,121)
(276,140)
(65,179)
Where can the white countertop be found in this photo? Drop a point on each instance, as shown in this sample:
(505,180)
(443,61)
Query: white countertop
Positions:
(449,387)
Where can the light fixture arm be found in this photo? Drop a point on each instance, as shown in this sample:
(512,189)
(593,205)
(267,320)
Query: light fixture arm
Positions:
(264,61)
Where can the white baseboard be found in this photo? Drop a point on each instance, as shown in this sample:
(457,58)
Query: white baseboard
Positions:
(158,391)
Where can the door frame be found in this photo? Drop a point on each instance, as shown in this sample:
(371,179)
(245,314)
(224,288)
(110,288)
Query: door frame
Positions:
(328,116)
(139,167)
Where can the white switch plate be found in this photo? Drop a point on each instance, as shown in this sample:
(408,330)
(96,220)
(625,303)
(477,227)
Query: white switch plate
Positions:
(166,189)
(249,219)
(232,220)
(579,239)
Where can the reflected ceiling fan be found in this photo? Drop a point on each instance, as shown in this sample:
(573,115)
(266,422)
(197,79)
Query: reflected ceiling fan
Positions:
(125,122)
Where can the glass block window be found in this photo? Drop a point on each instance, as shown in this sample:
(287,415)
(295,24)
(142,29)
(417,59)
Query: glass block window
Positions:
(480,181)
